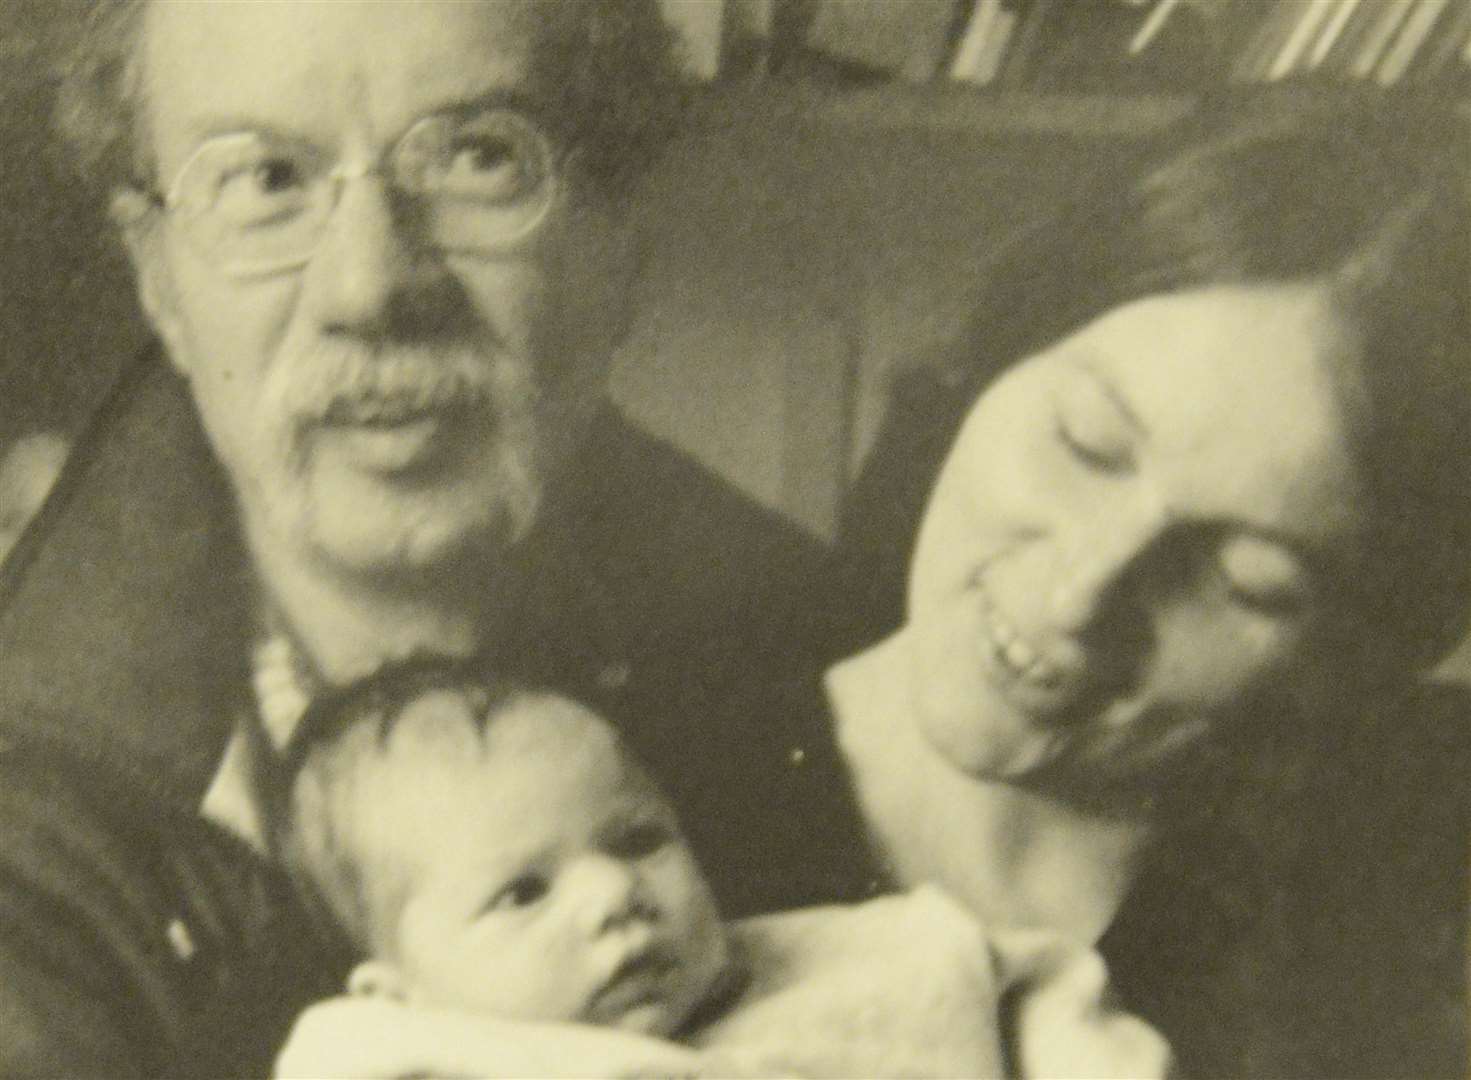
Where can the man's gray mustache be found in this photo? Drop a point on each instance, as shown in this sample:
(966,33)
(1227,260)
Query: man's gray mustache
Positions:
(356,384)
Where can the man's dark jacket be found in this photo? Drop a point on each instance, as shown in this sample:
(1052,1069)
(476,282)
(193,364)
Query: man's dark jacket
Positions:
(137,938)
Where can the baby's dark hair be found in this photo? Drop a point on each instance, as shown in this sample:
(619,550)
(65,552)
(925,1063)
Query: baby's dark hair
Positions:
(303,791)
(382,697)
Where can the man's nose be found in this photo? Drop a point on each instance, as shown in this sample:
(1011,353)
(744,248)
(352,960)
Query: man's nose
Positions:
(365,257)
(1096,561)
(609,894)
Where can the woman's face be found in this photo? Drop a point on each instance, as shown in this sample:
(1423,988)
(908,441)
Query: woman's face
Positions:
(1136,533)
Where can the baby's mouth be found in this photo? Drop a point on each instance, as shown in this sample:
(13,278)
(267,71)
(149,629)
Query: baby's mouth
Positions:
(638,979)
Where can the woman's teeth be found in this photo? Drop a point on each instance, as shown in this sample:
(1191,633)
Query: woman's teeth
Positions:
(1017,656)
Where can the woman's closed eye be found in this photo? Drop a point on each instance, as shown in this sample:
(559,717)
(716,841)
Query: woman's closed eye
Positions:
(1264,576)
(1094,427)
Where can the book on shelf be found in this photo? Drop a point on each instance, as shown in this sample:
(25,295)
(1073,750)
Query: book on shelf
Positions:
(699,25)
(1037,20)
(1388,17)
(1450,38)
(1107,46)
(1352,37)
(750,18)
(1301,33)
(1256,59)
(1153,24)
(1334,27)
(1410,40)
(1357,39)
(982,43)
(747,33)
(1124,46)
(909,39)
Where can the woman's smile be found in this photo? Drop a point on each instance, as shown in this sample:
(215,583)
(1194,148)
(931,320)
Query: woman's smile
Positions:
(1118,519)
(1053,665)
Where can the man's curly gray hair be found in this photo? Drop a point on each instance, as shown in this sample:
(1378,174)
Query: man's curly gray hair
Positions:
(607,70)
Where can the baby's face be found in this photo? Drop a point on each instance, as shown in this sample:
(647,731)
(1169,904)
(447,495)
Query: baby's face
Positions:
(549,879)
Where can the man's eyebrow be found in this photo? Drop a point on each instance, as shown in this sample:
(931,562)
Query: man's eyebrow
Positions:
(203,129)
(499,97)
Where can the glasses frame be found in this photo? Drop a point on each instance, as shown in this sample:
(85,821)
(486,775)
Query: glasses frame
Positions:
(331,183)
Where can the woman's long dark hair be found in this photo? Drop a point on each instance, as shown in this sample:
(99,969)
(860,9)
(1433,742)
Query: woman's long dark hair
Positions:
(1369,193)
(1296,835)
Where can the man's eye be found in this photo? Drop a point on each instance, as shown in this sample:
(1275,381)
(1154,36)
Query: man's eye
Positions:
(487,168)
(261,190)
(482,154)
(276,175)
(639,839)
(260,177)
(519,893)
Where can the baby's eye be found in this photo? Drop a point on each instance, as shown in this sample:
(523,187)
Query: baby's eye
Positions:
(639,839)
(519,893)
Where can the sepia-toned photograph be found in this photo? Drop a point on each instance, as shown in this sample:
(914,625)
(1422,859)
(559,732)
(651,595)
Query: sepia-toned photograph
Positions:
(735,539)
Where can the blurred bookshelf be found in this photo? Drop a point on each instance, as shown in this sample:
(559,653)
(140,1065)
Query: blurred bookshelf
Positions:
(1078,47)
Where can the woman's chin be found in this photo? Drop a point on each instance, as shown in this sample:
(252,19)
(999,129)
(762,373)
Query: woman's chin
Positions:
(1007,747)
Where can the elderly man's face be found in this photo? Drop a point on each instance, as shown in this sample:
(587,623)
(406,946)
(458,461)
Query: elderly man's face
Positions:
(388,396)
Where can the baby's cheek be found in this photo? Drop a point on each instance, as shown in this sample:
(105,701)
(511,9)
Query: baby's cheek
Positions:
(703,926)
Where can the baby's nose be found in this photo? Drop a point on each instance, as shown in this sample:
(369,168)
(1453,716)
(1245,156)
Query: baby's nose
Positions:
(608,893)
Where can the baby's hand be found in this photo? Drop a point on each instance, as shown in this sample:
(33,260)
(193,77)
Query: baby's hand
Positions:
(380,1039)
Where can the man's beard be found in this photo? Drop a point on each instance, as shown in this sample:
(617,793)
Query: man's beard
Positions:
(491,396)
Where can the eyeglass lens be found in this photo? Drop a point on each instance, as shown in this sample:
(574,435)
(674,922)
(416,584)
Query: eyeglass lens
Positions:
(254,203)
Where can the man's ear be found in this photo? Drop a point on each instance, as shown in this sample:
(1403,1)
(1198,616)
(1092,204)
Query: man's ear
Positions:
(136,219)
(376,978)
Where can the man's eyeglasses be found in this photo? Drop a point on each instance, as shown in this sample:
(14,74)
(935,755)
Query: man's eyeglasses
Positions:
(257,205)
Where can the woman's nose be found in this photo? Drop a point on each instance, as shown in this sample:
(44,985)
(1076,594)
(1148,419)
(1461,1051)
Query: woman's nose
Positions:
(608,893)
(364,257)
(1094,564)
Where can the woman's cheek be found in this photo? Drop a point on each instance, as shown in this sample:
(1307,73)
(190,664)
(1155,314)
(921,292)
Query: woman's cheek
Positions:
(1207,660)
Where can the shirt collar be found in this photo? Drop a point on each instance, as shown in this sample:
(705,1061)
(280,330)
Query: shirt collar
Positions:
(283,690)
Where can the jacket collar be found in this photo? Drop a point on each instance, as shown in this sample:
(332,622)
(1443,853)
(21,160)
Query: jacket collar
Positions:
(127,610)
(123,609)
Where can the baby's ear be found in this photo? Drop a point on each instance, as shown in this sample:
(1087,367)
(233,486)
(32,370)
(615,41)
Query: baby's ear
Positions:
(376,978)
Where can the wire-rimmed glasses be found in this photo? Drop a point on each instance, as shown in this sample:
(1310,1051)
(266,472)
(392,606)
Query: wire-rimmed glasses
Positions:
(256,204)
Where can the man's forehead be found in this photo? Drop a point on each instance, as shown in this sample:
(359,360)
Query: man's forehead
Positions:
(321,68)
